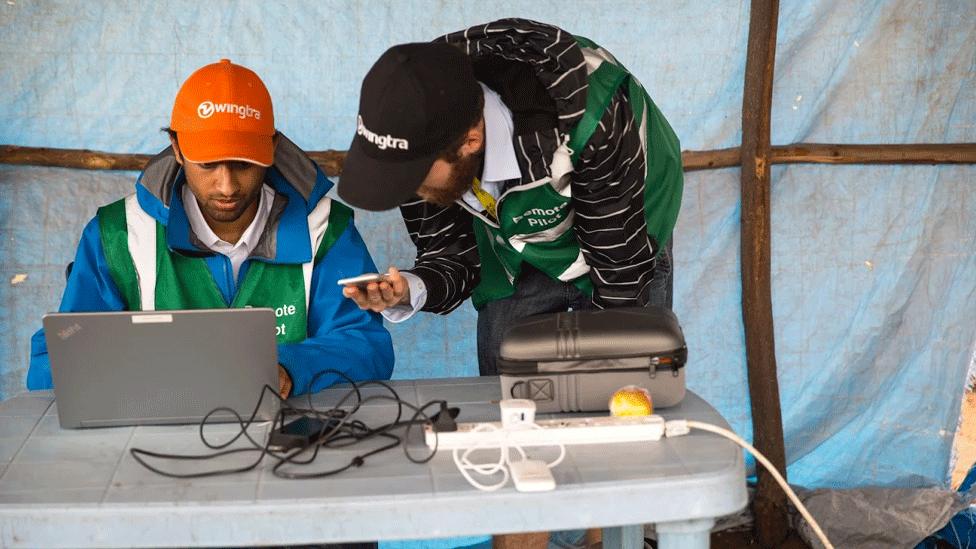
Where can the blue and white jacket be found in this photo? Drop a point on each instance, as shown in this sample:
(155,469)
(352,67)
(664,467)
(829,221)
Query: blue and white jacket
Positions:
(340,336)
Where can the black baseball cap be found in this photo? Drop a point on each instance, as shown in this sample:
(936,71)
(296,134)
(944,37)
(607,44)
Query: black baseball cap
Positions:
(414,102)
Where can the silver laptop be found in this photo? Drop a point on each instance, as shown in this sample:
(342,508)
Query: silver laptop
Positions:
(161,367)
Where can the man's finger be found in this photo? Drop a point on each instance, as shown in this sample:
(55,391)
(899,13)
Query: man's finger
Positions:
(375,298)
(388,294)
(399,284)
(357,296)
(373,293)
(397,281)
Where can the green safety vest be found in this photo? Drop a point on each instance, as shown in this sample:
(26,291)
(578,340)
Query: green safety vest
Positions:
(534,220)
(151,277)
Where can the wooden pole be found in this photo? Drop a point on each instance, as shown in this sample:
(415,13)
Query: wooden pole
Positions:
(825,153)
(72,158)
(769,506)
(710,160)
(832,153)
(331,161)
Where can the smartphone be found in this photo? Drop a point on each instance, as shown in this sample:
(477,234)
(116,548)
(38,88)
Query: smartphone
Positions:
(362,280)
(299,433)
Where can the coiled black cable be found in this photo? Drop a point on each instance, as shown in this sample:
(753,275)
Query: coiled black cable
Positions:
(339,429)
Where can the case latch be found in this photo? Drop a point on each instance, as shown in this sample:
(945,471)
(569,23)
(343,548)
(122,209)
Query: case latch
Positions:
(657,361)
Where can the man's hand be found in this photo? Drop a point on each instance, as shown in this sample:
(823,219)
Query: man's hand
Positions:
(284,382)
(379,296)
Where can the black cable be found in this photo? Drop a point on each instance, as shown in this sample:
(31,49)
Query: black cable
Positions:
(284,408)
(322,435)
(339,430)
(330,441)
(137,452)
(356,461)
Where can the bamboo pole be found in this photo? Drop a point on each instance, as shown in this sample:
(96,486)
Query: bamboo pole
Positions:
(769,506)
(331,161)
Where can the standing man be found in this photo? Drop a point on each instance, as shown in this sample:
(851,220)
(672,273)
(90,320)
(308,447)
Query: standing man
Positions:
(533,172)
(233,214)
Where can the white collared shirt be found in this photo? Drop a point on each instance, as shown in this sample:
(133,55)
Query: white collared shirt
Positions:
(241,250)
(500,165)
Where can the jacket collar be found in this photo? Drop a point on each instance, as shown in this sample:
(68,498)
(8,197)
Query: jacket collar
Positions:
(299,185)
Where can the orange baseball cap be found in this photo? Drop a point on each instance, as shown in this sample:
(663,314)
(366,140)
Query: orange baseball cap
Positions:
(223,112)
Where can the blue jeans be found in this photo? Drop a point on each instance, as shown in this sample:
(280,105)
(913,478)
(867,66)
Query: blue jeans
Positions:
(537,293)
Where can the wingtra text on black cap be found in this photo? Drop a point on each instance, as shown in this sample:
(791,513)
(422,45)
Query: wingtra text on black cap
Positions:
(415,101)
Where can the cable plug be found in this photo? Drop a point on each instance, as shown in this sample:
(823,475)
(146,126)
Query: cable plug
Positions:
(443,420)
(676,428)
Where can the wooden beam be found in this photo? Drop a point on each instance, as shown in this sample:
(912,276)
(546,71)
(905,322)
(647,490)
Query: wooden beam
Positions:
(769,506)
(710,160)
(825,153)
(331,161)
(833,153)
(72,158)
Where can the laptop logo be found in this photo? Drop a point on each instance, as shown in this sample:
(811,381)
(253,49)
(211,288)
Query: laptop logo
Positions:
(69,331)
(152,319)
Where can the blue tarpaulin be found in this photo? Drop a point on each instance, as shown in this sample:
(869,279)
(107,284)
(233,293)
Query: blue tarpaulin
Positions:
(874,267)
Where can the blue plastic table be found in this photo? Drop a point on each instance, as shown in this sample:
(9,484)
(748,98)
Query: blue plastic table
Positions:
(82,488)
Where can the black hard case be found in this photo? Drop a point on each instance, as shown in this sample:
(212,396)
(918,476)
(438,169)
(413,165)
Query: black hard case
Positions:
(574,361)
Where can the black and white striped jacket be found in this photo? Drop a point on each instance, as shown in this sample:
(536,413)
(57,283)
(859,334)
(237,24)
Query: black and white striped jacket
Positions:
(540,73)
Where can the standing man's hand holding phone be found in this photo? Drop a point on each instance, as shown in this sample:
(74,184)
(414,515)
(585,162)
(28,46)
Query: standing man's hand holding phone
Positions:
(378,295)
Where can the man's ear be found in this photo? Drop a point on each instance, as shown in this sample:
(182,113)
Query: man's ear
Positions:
(176,150)
(474,139)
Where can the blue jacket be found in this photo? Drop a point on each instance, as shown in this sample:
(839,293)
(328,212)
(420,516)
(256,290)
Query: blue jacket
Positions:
(340,335)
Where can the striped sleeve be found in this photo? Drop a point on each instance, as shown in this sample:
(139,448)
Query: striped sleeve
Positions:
(447,253)
(608,197)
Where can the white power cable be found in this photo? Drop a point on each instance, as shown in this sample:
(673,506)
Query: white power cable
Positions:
(464,463)
(673,428)
(683,425)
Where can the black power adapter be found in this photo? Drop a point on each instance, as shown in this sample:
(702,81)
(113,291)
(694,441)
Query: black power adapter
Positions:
(443,420)
(299,433)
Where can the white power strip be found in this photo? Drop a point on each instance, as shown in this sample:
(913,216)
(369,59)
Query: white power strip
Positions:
(583,430)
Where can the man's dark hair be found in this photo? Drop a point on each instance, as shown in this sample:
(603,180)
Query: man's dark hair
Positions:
(172,133)
(450,153)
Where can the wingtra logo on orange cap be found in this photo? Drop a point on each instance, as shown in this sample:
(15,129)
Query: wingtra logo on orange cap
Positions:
(223,112)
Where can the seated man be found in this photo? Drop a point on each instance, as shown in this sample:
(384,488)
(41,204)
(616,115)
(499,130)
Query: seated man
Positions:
(232,215)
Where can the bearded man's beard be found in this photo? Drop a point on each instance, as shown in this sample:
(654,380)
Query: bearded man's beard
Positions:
(463,171)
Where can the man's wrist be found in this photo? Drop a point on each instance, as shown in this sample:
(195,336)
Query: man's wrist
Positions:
(405,299)
(413,299)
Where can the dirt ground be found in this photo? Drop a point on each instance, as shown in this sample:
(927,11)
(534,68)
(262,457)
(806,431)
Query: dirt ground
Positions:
(965,440)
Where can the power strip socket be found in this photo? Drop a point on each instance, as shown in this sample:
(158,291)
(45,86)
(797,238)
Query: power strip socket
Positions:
(582,430)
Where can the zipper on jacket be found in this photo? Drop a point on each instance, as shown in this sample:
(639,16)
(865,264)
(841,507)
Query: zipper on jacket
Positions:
(229,277)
